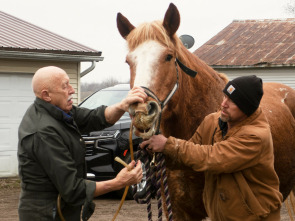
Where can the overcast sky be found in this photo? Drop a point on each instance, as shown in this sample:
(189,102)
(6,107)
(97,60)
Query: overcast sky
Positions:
(93,22)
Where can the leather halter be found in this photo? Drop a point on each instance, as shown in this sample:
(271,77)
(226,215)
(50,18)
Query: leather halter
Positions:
(162,104)
(186,70)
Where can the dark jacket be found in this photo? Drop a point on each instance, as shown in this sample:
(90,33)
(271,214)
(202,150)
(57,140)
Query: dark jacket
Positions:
(240,180)
(51,155)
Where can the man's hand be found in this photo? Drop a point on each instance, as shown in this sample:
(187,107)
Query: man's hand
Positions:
(123,179)
(155,144)
(115,111)
(135,95)
(127,178)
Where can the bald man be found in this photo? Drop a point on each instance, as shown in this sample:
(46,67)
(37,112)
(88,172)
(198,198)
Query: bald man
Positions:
(51,150)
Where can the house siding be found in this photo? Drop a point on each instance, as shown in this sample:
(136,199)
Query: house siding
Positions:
(279,75)
(30,67)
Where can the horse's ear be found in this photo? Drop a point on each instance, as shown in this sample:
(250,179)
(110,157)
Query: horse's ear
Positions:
(124,26)
(171,20)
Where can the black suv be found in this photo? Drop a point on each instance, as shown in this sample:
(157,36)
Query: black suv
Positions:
(103,146)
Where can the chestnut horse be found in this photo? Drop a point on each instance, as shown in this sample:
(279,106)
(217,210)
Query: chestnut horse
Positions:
(180,102)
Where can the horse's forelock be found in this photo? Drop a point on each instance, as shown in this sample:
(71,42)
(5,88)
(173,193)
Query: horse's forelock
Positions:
(151,31)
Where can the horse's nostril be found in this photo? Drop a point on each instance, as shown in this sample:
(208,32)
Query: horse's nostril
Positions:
(152,108)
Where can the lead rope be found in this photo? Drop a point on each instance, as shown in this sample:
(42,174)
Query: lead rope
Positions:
(160,174)
(59,209)
(144,156)
(122,162)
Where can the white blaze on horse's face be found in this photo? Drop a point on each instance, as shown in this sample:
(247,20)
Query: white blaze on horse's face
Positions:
(144,61)
(145,57)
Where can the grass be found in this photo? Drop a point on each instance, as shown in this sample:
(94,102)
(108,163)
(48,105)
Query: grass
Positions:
(9,183)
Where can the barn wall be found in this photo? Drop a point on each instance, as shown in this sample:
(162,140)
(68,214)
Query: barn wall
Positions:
(280,75)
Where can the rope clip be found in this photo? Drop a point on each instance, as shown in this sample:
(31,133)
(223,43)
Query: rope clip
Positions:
(153,162)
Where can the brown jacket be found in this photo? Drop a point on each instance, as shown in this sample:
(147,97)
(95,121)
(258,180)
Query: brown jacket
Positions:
(240,180)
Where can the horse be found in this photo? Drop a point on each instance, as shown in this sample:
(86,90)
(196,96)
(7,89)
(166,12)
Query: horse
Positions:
(178,102)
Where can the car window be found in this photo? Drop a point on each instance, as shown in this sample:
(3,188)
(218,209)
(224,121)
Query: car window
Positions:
(104,97)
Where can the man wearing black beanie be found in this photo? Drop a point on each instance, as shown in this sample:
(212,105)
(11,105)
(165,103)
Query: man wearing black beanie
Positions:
(234,149)
(246,92)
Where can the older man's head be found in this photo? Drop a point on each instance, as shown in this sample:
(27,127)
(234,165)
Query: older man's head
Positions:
(52,84)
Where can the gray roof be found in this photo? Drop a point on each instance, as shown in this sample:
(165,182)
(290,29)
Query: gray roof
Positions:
(268,42)
(20,37)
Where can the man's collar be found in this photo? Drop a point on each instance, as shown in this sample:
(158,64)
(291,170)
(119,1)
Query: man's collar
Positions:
(55,111)
(68,117)
(223,126)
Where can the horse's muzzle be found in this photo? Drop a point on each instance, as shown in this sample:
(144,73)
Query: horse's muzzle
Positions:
(144,118)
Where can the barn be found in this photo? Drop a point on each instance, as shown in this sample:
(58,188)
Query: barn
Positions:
(265,48)
(24,48)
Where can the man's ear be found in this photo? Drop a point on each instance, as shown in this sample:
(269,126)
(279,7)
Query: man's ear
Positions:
(45,96)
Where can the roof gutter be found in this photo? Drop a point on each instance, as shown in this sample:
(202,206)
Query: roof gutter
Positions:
(25,55)
(49,56)
(88,69)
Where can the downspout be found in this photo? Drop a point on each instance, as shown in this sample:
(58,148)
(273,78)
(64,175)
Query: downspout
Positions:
(88,69)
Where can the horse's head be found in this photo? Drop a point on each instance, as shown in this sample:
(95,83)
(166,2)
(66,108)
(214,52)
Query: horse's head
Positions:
(153,48)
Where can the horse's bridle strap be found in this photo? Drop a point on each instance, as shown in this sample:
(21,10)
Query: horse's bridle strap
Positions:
(151,94)
(186,70)
(170,95)
(174,89)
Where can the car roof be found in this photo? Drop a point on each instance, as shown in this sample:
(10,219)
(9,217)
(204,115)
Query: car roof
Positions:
(118,87)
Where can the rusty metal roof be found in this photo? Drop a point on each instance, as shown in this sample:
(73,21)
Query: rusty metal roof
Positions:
(22,36)
(269,42)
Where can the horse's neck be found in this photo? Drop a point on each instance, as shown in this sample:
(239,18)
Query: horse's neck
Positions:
(196,98)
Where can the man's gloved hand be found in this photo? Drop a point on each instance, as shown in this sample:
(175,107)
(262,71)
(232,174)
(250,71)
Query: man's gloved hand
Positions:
(88,210)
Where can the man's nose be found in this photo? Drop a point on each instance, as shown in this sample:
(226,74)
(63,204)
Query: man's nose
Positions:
(72,90)
(224,102)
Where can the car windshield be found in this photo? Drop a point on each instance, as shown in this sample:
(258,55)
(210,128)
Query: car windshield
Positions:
(104,97)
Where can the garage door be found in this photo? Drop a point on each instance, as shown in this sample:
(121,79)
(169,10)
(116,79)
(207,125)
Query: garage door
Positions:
(15,97)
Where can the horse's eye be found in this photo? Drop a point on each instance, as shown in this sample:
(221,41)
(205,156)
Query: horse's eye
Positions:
(169,57)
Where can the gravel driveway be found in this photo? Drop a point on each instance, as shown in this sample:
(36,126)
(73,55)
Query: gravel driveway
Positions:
(106,206)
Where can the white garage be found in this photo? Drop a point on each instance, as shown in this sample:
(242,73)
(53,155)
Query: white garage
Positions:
(15,97)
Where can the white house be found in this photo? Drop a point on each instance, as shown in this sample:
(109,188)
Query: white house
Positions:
(24,48)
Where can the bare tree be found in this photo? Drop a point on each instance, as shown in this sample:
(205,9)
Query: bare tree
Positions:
(89,88)
(290,7)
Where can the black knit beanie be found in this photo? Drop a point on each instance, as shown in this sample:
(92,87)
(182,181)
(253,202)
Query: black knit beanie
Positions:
(246,92)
